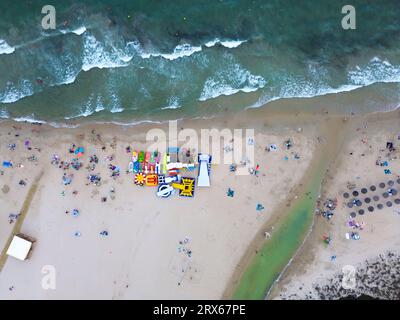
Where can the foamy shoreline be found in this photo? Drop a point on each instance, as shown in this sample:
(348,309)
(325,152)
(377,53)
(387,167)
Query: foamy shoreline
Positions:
(360,97)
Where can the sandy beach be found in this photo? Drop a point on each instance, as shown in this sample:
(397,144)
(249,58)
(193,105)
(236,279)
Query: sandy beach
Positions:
(317,270)
(145,254)
(140,258)
(227,150)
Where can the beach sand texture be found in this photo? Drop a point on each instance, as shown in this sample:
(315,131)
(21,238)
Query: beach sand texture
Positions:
(354,170)
(140,257)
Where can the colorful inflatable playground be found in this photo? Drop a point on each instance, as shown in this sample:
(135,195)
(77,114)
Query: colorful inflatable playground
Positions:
(168,173)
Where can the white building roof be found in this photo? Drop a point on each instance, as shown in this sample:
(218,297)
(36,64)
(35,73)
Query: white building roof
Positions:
(19,248)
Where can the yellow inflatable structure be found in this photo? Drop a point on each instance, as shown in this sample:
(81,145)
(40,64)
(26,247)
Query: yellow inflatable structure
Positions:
(186,187)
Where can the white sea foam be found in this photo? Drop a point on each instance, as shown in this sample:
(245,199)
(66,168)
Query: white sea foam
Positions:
(292,86)
(226,43)
(116,104)
(4,114)
(70,78)
(78,31)
(99,104)
(85,111)
(231,81)
(63,125)
(5,48)
(180,51)
(302,90)
(29,119)
(183,50)
(117,110)
(212,43)
(24,88)
(376,70)
(96,56)
(173,103)
(232,43)
(14,92)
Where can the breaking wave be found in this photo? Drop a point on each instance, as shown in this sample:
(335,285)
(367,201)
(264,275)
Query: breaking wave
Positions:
(96,56)
(226,43)
(377,70)
(231,81)
(16,92)
(180,51)
(173,103)
(29,119)
(78,31)
(5,48)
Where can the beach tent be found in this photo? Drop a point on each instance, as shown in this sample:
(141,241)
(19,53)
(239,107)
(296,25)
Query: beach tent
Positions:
(19,248)
(203,179)
(7,164)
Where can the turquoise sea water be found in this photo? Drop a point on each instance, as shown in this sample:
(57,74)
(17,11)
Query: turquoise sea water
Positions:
(130,60)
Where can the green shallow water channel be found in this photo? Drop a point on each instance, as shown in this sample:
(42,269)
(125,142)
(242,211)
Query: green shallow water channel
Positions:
(275,254)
